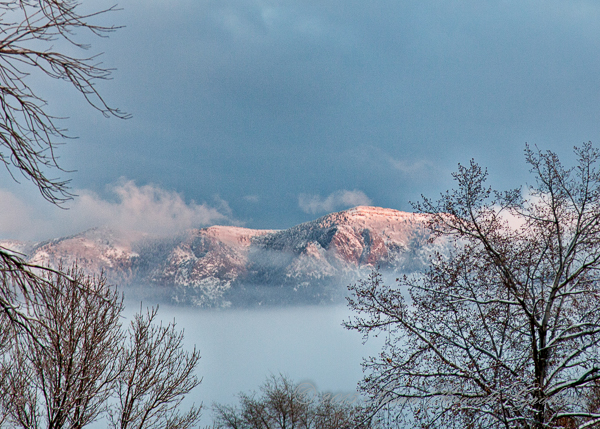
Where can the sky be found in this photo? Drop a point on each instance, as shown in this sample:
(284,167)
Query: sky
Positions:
(266,114)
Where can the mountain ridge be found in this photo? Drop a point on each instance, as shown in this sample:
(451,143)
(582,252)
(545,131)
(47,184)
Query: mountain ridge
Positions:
(220,266)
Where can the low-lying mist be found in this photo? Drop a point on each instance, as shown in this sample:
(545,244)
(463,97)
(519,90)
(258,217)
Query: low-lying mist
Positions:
(216,294)
(240,348)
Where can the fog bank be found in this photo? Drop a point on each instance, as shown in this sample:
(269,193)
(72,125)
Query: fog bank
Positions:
(240,348)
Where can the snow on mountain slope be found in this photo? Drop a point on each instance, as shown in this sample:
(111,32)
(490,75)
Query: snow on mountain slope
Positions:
(96,250)
(223,264)
(205,262)
(362,237)
(20,247)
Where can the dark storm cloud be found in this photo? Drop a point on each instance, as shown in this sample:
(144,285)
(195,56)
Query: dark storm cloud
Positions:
(277,99)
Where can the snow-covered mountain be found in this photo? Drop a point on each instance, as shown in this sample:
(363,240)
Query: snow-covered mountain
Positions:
(224,265)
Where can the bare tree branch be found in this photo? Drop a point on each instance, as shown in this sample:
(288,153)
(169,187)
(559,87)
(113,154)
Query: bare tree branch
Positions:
(62,374)
(156,374)
(30,30)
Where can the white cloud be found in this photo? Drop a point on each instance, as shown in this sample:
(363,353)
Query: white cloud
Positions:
(145,208)
(339,199)
(16,217)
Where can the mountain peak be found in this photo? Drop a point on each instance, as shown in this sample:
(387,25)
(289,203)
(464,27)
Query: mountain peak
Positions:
(372,213)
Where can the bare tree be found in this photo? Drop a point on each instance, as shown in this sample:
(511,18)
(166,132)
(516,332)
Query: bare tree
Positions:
(75,363)
(286,405)
(504,331)
(156,374)
(30,30)
(62,375)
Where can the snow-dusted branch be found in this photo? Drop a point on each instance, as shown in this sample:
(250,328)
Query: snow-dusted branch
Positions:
(505,328)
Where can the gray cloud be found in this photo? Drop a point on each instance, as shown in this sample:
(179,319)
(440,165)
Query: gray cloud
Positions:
(269,98)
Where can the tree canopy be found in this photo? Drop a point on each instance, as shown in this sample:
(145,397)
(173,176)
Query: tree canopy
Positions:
(502,331)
